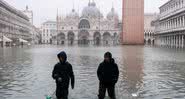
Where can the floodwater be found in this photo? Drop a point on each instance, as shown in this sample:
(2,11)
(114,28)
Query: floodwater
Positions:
(145,72)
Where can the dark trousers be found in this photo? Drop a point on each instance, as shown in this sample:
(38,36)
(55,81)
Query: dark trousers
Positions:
(62,93)
(109,87)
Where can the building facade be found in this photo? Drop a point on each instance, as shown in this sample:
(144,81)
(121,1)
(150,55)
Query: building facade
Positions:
(149,28)
(36,35)
(35,32)
(48,29)
(89,28)
(133,22)
(13,25)
(170,26)
(29,14)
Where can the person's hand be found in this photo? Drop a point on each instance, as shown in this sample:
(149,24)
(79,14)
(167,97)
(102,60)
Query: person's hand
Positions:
(59,79)
(55,76)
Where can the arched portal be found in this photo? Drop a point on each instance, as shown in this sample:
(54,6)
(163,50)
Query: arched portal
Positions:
(84,24)
(61,38)
(97,38)
(83,37)
(145,41)
(153,42)
(107,38)
(149,41)
(71,37)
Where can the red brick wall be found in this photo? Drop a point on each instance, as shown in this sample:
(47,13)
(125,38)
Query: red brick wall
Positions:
(133,22)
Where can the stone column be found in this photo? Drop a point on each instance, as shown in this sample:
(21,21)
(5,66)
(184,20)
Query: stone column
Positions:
(102,42)
(183,20)
(180,21)
(174,43)
(178,41)
(170,40)
(75,42)
(163,38)
(170,23)
(182,41)
(164,41)
(167,41)
(175,22)
(178,44)
(176,37)
(161,41)
(173,40)
(3,43)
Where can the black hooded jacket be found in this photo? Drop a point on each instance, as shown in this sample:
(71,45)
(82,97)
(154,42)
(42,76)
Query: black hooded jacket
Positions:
(64,71)
(108,72)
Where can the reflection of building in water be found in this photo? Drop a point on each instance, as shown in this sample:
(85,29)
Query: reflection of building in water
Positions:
(170,27)
(149,28)
(132,70)
(91,28)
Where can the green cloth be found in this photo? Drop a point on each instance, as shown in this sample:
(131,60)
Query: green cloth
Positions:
(48,97)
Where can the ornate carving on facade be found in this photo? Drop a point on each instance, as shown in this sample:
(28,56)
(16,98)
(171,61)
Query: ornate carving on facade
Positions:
(91,28)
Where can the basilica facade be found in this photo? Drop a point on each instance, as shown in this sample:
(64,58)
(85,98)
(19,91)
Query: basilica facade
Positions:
(89,28)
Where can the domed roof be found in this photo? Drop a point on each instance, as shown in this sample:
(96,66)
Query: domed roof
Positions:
(91,11)
(73,14)
(112,14)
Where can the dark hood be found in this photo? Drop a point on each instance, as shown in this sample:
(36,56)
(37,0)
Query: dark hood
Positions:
(63,55)
(108,54)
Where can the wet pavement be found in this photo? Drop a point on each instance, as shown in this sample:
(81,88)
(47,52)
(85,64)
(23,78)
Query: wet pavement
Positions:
(145,72)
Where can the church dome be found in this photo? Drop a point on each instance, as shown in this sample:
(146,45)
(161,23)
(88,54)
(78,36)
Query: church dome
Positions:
(91,11)
(112,14)
(73,14)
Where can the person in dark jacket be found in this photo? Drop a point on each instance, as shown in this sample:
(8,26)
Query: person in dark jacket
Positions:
(108,74)
(62,74)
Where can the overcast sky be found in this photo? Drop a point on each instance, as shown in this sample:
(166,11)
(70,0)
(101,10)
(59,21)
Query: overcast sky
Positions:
(47,9)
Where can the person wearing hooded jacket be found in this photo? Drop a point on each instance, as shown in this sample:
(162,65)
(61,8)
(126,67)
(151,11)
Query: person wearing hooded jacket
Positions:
(108,74)
(63,73)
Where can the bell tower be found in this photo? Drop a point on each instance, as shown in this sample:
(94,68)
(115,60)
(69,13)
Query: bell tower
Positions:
(133,22)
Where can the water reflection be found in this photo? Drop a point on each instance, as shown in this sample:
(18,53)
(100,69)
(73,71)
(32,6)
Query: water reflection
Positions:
(14,71)
(131,70)
(148,72)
